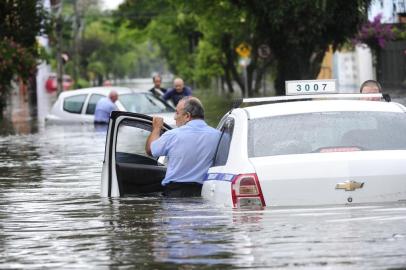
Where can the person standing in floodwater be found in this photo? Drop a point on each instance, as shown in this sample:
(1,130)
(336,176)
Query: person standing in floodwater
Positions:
(178,92)
(104,107)
(157,90)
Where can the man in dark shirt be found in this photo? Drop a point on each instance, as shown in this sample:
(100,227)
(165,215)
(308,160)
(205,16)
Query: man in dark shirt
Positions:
(178,92)
(157,90)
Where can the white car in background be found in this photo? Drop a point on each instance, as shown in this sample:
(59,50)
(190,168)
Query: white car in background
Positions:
(78,106)
(322,149)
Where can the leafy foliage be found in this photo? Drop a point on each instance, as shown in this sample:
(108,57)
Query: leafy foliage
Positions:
(23,20)
(399,32)
(299,32)
(374,34)
(20,22)
(102,48)
(198,38)
(15,60)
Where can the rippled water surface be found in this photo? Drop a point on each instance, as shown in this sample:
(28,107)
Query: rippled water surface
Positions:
(52,217)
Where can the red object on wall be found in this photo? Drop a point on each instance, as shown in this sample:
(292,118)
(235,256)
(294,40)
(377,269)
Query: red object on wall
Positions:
(51,83)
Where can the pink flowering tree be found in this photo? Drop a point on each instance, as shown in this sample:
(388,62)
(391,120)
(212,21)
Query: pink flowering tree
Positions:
(15,62)
(20,22)
(374,34)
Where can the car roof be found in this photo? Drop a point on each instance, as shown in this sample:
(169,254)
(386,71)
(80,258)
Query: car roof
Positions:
(297,107)
(102,90)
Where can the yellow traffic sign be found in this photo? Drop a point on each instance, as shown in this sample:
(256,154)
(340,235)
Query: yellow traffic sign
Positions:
(243,50)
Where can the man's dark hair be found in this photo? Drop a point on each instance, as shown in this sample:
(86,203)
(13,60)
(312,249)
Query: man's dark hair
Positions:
(371,83)
(194,107)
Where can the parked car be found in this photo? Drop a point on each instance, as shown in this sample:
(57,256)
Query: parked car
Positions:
(295,151)
(51,84)
(78,106)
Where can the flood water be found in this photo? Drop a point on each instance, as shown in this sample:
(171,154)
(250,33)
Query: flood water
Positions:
(52,217)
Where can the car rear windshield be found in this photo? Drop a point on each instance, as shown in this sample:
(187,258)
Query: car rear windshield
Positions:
(326,132)
(144,103)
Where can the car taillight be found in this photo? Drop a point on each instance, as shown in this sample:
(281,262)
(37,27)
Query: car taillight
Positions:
(246,191)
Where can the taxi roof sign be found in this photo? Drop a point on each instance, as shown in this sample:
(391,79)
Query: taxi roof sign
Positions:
(311,87)
(278,99)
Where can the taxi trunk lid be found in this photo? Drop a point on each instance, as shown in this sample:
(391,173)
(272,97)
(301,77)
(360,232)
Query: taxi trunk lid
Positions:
(332,178)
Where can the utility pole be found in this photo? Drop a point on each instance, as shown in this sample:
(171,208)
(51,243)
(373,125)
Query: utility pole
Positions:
(57,6)
(77,36)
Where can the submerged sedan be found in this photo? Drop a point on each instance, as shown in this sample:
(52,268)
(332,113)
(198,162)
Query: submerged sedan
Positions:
(319,150)
(310,153)
(78,106)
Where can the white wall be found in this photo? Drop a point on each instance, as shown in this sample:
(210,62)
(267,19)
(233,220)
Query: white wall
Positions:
(365,65)
(385,7)
(44,99)
(352,68)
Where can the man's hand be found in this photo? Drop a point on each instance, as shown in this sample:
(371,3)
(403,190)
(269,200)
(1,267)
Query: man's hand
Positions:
(157,125)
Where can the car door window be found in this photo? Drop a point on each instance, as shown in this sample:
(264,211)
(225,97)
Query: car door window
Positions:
(224,145)
(91,105)
(135,171)
(130,144)
(74,104)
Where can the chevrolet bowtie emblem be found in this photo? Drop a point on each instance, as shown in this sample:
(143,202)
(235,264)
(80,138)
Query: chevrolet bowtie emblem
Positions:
(349,185)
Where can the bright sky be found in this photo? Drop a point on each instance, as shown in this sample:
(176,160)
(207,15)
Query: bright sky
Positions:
(111,4)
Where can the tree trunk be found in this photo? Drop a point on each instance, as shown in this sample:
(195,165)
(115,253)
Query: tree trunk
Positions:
(2,104)
(250,74)
(301,66)
(258,78)
(229,65)
(228,79)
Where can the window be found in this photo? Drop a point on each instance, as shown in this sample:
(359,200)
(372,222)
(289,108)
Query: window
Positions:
(224,145)
(91,105)
(74,104)
(315,132)
(144,103)
(131,137)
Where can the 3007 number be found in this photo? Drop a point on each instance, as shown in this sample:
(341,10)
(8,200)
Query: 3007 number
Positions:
(308,87)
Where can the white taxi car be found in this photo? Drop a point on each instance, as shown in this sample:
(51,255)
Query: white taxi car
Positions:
(78,106)
(292,151)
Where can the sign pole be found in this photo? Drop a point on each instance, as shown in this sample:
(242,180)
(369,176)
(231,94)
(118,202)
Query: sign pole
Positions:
(244,51)
(245,82)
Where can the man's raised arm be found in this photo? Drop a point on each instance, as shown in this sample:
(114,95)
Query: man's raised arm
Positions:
(157,124)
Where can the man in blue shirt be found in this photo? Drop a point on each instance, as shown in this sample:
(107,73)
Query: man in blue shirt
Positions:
(178,92)
(190,148)
(104,107)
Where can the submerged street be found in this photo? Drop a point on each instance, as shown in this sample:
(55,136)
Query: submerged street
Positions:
(53,217)
(276,114)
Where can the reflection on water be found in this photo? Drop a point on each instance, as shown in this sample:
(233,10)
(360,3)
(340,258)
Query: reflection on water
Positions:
(18,116)
(51,216)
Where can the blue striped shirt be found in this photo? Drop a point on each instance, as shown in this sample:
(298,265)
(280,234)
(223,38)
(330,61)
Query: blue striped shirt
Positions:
(190,150)
(103,109)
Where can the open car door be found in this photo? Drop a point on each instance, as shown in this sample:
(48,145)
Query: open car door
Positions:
(127,169)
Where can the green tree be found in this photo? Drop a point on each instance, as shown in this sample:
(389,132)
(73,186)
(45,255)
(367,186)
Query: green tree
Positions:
(297,31)
(18,48)
(112,51)
(14,22)
(99,48)
(232,27)
(166,25)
